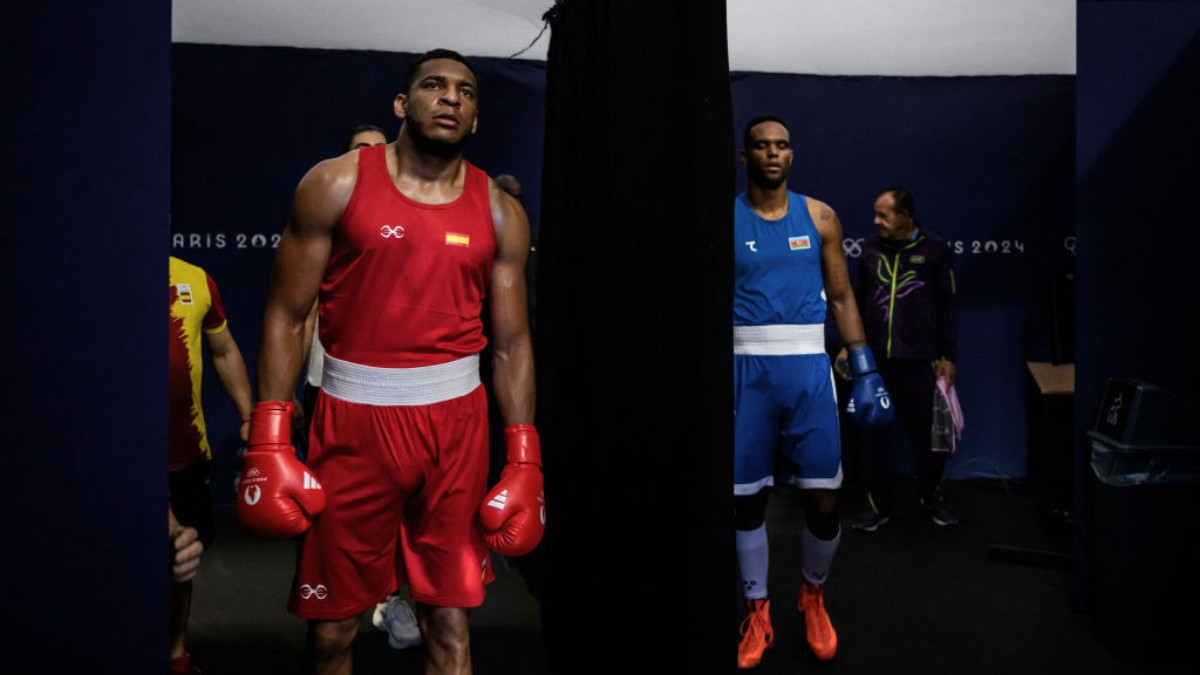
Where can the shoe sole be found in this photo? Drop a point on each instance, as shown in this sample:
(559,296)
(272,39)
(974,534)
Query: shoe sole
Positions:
(871,528)
(757,660)
(402,644)
(823,654)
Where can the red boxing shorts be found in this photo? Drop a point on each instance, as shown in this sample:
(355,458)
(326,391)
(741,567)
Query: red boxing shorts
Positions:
(403,484)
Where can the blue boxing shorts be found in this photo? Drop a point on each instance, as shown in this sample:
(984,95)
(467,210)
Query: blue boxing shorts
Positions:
(785,409)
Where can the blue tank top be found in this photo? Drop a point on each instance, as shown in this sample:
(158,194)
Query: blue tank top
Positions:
(777,266)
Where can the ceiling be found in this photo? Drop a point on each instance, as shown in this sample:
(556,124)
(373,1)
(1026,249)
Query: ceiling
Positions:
(821,37)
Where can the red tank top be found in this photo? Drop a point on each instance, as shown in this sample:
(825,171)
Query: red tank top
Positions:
(405,282)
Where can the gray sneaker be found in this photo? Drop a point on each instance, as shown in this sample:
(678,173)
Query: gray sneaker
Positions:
(396,618)
(871,517)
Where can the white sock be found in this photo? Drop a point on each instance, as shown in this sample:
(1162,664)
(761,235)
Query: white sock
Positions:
(752,560)
(817,555)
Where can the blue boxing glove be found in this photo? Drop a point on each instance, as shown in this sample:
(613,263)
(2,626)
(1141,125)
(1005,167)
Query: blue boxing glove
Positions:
(870,404)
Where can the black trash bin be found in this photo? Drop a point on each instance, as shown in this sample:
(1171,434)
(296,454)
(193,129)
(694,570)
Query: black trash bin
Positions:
(1145,460)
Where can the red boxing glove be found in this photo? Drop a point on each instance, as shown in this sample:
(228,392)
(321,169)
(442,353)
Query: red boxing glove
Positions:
(513,514)
(277,495)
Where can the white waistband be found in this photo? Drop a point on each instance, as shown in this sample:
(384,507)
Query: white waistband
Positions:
(400,386)
(779,340)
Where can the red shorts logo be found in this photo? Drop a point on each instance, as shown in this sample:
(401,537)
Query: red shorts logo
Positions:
(319,592)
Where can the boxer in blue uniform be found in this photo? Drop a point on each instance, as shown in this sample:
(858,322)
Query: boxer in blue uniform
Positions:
(789,266)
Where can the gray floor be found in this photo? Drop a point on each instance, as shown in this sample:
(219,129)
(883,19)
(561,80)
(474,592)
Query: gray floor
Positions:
(910,598)
(990,595)
(239,623)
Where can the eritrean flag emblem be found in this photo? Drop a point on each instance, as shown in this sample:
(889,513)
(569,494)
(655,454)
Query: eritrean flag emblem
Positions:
(456,239)
(799,243)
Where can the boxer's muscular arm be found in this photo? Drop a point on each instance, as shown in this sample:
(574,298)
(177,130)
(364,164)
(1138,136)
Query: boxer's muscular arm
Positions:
(837,279)
(310,327)
(513,513)
(512,345)
(300,262)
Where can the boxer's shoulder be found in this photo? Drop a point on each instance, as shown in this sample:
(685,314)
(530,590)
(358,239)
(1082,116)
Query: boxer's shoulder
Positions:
(327,186)
(332,173)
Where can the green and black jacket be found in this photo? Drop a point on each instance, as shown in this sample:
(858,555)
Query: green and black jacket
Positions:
(905,292)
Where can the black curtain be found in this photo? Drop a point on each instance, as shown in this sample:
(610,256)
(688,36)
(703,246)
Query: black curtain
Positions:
(85,190)
(633,338)
(1136,287)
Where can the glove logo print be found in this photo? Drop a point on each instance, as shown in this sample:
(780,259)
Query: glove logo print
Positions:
(252,494)
(542,503)
(252,473)
(310,483)
(885,402)
(308,592)
(389,231)
(499,500)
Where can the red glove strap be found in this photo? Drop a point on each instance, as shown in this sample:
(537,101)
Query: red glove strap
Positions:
(271,423)
(522,444)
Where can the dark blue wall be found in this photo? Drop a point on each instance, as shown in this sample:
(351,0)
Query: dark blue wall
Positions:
(83,250)
(1139,102)
(989,160)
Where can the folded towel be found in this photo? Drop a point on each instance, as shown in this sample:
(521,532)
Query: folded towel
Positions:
(947,418)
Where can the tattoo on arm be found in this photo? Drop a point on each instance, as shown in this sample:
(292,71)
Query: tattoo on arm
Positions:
(826,214)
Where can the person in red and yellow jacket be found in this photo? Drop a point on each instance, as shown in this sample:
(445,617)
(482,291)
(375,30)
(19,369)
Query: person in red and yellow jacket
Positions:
(196,318)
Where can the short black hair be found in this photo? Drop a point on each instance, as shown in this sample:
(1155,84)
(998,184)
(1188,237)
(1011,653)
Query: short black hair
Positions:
(413,68)
(903,199)
(358,130)
(757,120)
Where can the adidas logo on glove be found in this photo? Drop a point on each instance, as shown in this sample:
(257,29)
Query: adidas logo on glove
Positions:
(499,500)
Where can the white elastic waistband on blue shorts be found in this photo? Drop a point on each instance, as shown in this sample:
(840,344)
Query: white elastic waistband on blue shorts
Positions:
(779,340)
(424,385)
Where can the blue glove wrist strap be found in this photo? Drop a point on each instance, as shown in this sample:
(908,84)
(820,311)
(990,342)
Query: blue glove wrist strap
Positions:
(861,361)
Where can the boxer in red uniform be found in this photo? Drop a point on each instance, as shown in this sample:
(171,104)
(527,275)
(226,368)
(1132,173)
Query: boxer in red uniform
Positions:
(399,244)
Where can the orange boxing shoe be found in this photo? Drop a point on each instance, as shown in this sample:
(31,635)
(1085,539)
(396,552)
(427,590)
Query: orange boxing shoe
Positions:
(182,665)
(822,639)
(757,635)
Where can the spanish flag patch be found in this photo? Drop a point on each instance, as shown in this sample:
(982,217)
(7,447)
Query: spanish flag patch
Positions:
(185,293)
(456,239)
